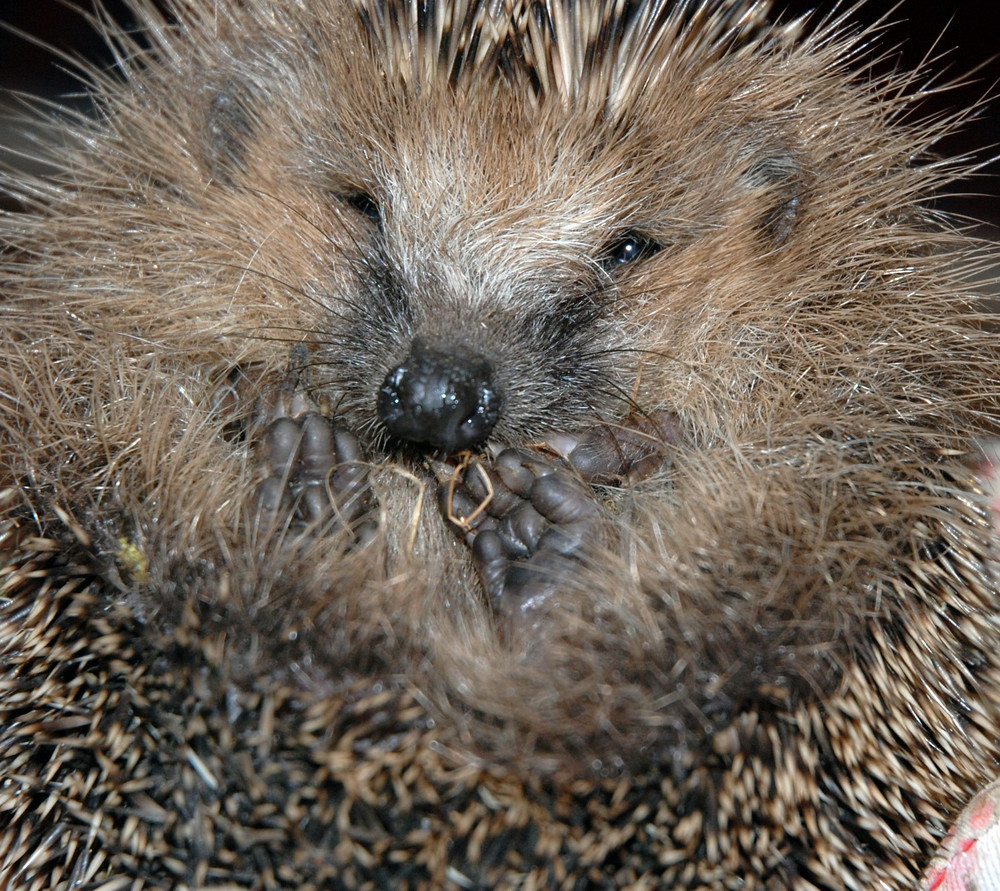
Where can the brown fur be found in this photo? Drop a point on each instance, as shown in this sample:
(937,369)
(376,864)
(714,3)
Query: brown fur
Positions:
(780,670)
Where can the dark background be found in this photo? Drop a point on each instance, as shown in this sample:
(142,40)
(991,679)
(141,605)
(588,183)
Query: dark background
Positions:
(964,37)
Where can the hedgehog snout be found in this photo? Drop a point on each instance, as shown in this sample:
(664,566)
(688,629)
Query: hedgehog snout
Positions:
(443,395)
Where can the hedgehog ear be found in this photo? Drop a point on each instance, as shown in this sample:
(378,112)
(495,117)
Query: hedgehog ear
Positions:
(775,170)
(227,127)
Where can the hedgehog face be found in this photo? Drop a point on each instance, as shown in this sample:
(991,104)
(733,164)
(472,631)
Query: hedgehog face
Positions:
(511,262)
(491,301)
(494,303)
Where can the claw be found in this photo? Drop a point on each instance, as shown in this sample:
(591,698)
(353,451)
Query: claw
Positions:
(314,473)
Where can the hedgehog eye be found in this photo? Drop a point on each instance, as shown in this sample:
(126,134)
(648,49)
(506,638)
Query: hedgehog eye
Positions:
(630,248)
(365,205)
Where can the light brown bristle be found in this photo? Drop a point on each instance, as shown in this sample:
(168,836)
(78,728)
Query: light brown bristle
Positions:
(569,53)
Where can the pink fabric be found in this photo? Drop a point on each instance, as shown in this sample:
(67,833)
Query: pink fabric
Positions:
(969,858)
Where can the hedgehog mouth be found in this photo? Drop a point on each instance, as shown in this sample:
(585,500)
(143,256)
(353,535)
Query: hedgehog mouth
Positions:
(617,454)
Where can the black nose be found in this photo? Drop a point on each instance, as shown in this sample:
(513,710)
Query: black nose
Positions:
(442,396)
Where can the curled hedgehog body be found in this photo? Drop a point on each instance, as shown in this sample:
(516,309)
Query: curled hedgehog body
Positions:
(491,445)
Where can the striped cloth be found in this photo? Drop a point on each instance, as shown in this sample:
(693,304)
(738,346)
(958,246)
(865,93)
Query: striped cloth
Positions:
(969,858)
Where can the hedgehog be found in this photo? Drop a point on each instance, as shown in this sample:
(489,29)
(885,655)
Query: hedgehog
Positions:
(476,444)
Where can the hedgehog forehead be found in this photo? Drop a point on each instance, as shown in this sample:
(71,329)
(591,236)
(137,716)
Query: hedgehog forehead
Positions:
(545,175)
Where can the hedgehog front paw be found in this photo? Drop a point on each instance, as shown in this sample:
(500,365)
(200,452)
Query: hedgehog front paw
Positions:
(315,477)
(531,517)
(619,454)
(530,522)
